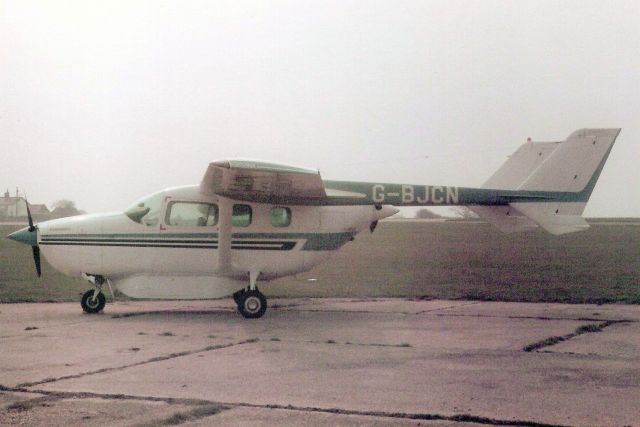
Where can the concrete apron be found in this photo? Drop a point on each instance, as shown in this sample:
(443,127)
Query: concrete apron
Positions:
(329,361)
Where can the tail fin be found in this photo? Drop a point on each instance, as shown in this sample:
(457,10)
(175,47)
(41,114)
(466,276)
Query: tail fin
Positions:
(567,170)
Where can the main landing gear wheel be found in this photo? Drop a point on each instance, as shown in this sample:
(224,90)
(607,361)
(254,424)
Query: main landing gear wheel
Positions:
(237,297)
(93,304)
(252,304)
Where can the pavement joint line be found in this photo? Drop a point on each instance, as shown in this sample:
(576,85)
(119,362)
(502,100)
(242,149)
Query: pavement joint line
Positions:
(584,329)
(318,310)
(449,307)
(401,415)
(332,342)
(327,310)
(143,362)
(577,319)
(405,313)
(109,396)
(338,411)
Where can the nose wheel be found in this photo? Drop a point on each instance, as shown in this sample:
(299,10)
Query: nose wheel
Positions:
(93,301)
(252,304)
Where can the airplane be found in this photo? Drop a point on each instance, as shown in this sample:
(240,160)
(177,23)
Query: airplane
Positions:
(250,221)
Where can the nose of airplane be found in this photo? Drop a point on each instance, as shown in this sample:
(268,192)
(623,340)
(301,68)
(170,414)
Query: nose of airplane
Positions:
(25,236)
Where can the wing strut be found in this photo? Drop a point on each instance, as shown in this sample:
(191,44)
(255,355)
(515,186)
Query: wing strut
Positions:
(225,234)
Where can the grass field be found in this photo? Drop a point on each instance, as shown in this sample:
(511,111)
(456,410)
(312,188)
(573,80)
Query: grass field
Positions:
(454,260)
(18,280)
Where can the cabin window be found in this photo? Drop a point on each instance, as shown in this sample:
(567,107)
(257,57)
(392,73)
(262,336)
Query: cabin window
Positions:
(241,215)
(191,214)
(146,210)
(280,217)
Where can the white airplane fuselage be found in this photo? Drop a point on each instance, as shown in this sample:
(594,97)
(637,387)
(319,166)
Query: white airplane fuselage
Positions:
(161,260)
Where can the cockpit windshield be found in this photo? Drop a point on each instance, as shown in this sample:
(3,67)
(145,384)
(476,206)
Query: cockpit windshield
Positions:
(146,210)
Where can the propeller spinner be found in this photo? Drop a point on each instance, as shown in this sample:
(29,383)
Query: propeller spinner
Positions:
(29,236)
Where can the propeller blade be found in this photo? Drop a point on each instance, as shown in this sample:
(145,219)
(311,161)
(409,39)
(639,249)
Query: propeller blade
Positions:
(31,226)
(36,259)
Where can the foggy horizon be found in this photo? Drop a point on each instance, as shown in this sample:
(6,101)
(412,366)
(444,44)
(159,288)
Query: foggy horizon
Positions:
(103,103)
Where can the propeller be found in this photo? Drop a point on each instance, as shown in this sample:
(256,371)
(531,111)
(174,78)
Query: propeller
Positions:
(34,248)
(31,226)
(29,236)
(36,259)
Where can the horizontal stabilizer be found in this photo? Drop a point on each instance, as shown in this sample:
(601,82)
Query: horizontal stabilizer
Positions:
(505,218)
(551,221)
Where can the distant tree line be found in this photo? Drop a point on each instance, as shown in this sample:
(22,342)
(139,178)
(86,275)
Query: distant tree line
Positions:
(427,214)
(64,208)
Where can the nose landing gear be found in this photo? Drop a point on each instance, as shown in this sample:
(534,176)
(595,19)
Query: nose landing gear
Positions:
(93,301)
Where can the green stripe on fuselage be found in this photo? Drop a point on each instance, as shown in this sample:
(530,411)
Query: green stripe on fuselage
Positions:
(430,195)
(313,241)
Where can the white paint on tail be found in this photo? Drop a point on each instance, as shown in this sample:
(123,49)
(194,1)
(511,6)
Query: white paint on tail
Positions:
(572,164)
(521,165)
(565,166)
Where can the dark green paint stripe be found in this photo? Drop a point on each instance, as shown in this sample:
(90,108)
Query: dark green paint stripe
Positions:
(285,246)
(136,235)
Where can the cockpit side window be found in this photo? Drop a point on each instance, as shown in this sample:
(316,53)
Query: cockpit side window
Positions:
(280,216)
(191,214)
(146,211)
(241,216)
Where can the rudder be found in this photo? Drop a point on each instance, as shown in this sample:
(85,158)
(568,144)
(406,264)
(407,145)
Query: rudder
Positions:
(570,168)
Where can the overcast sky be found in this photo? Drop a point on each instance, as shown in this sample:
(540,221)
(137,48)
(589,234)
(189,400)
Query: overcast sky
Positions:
(103,102)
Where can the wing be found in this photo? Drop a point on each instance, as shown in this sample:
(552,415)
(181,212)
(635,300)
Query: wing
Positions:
(263,182)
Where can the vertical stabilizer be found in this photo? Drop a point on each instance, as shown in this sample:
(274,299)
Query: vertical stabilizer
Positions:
(563,173)
(575,165)
(521,165)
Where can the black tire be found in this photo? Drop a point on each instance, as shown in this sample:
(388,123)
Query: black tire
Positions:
(237,297)
(253,304)
(91,305)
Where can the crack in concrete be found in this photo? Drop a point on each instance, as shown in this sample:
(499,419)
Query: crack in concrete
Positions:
(577,319)
(584,329)
(327,310)
(449,307)
(143,362)
(339,411)
(402,415)
(106,396)
(330,341)
(404,313)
